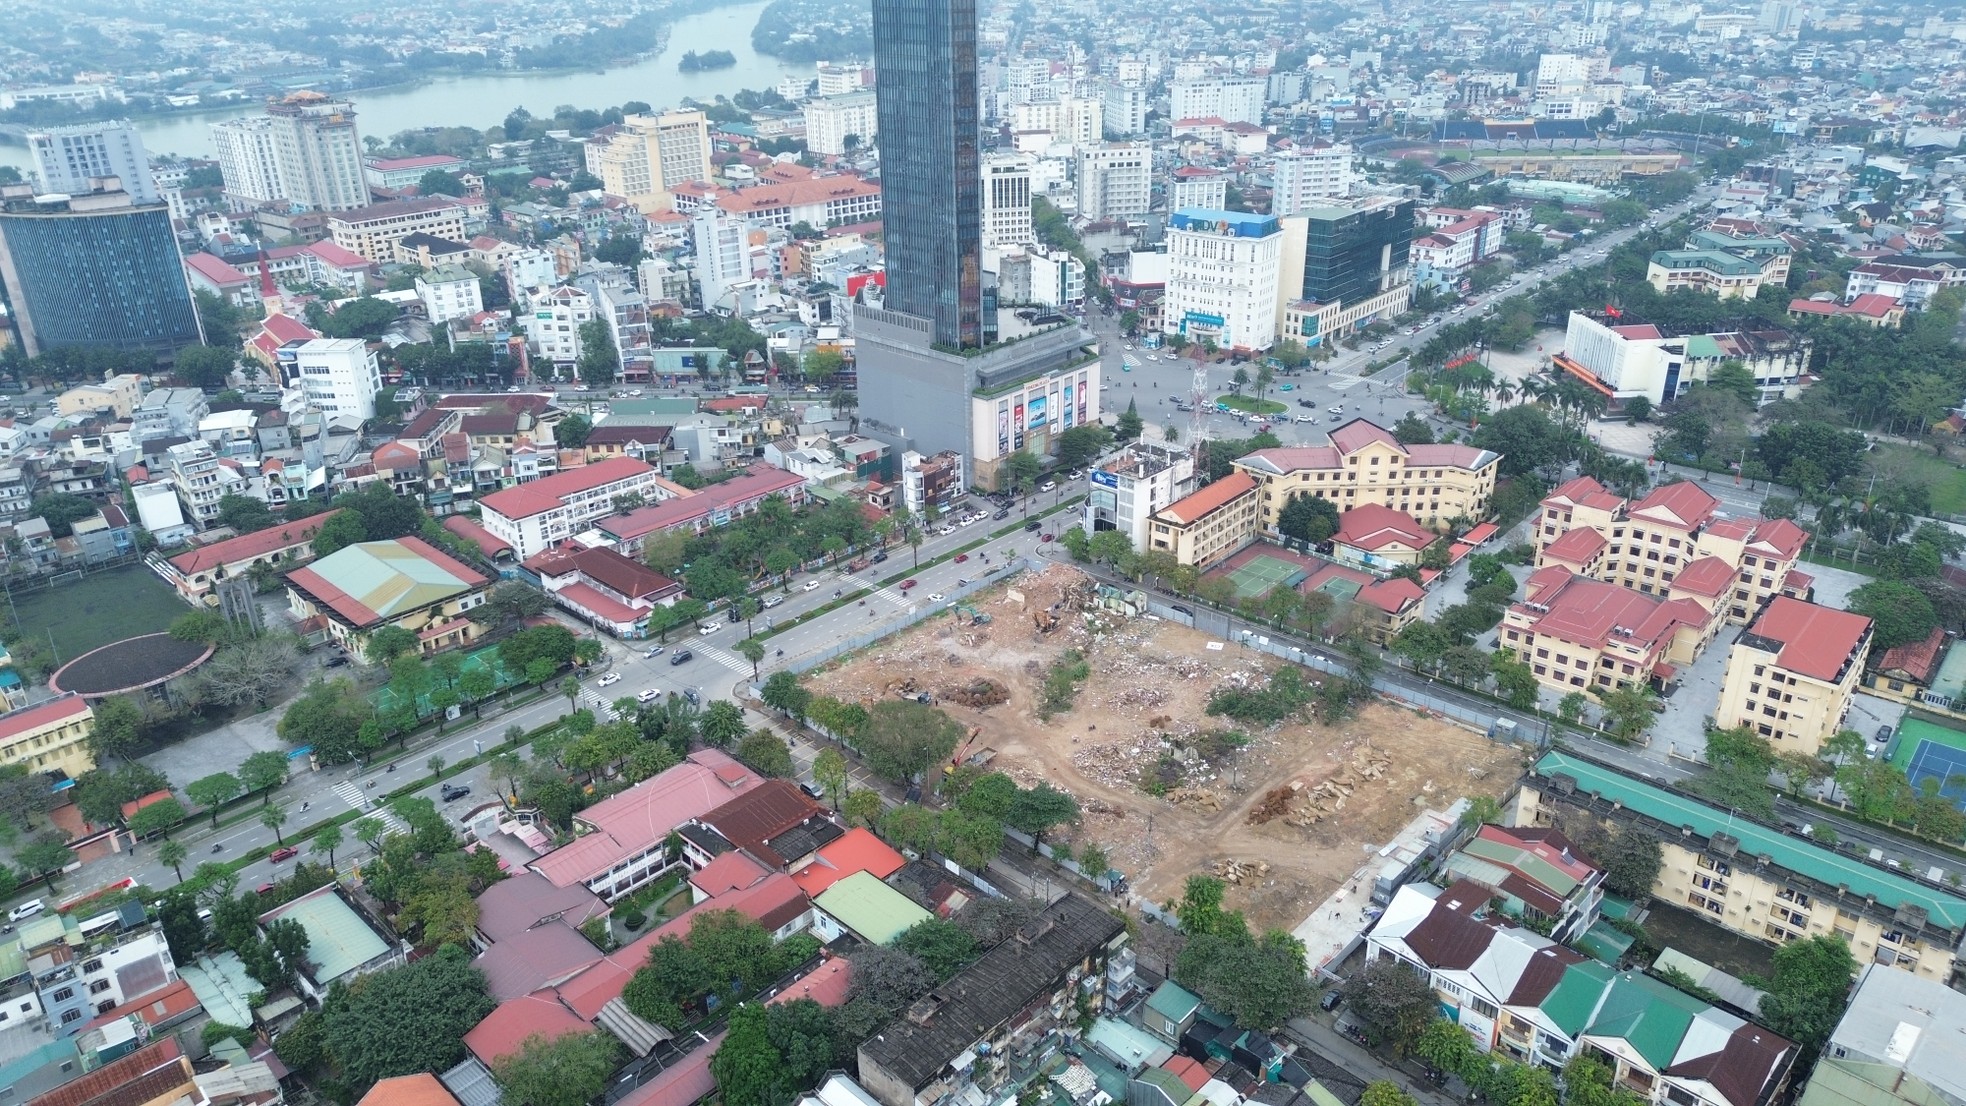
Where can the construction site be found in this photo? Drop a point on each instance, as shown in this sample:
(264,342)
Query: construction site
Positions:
(1074,684)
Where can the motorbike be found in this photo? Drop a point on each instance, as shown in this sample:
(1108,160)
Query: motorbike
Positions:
(218,848)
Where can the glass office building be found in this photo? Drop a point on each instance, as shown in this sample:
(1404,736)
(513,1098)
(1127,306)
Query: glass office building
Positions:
(94,270)
(931,169)
(1353,253)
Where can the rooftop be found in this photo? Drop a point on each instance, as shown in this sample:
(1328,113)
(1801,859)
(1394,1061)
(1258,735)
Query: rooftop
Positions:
(875,912)
(550,492)
(1816,641)
(642,816)
(248,546)
(1901,1021)
(1208,499)
(376,581)
(421,1089)
(339,940)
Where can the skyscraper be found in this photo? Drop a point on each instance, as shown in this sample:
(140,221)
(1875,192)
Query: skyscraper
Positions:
(93,270)
(931,169)
(318,152)
(1355,252)
(246,161)
(66,158)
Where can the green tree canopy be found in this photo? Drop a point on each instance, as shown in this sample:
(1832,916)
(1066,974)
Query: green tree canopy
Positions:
(569,1070)
(405,1020)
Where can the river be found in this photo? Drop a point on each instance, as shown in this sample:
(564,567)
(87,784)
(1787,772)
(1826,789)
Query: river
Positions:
(483,100)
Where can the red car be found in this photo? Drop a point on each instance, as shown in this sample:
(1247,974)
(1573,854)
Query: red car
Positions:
(1044,537)
(906,584)
(287,853)
(961,557)
(263,889)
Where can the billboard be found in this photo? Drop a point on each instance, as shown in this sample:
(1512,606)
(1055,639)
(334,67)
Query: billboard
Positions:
(1003,426)
(1065,411)
(1017,427)
(1035,413)
(1107,479)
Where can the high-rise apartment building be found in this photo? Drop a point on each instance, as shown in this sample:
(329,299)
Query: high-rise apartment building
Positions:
(1126,106)
(94,270)
(1310,176)
(1222,270)
(650,155)
(931,166)
(830,120)
(1116,180)
(723,254)
(246,160)
(318,153)
(1232,99)
(66,158)
(1007,200)
(1080,122)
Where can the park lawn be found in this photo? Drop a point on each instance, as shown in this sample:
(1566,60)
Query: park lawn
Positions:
(1946,479)
(1251,405)
(96,610)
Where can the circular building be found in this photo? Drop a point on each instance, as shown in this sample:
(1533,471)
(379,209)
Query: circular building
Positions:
(130,666)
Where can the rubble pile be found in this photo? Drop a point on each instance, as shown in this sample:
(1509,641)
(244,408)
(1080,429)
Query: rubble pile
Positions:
(980,693)
(1302,803)
(1235,871)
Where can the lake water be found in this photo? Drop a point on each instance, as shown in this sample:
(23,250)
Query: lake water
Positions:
(482,100)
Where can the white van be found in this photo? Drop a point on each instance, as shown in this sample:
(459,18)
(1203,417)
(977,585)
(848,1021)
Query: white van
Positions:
(708,628)
(27,909)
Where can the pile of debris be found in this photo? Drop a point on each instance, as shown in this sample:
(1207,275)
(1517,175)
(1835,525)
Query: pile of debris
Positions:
(1306,804)
(980,693)
(1235,871)
(1196,798)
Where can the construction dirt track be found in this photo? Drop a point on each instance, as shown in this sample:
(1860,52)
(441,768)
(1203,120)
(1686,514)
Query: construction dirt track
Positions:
(1345,789)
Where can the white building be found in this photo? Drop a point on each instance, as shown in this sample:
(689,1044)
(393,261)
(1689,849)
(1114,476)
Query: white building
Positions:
(1080,122)
(1562,74)
(159,512)
(1198,189)
(1125,108)
(534,515)
(318,152)
(339,376)
(66,157)
(246,161)
(1125,491)
(1310,176)
(723,255)
(1007,200)
(1223,270)
(660,279)
(1232,99)
(553,325)
(1057,278)
(450,292)
(527,271)
(838,78)
(1116,180)
(201,480)
(1031,415)
(830,119)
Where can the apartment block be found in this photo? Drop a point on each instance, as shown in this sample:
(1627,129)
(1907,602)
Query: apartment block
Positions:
(1208,525)
(554,325)
(830,119)
(1310,176)
(1365,464)
(1674,542)
(1232,99)
(339,376)
(1115,180)
(649,155)
(450,292)
(1716,271)
(1007,201)
(1576,633)
(373,231)
(1791,673)
(1759,881)
(532,516)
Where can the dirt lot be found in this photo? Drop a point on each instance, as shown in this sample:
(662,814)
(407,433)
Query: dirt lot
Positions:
(1137,717)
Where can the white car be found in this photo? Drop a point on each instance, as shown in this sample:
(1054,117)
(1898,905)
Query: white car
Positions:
(1305,418)
(646,696)
(1153,357)
(1048,485)
(608,680)
(809,585)
(936,597)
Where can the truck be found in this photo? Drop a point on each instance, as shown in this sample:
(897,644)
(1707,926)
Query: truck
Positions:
(857,564)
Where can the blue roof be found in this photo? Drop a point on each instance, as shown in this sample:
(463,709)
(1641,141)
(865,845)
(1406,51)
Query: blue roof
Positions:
(1241,223)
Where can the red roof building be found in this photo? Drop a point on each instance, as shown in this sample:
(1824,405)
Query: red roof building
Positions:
(1576,633)
(1791,674)
(1380,536)
(195,572)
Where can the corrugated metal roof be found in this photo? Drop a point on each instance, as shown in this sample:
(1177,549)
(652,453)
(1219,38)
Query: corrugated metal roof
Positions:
(873,910)
(338,940)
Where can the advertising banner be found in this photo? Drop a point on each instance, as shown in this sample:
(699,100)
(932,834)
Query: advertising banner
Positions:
(1017,427)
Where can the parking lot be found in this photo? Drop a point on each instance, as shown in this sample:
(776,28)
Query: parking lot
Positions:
(1316,402)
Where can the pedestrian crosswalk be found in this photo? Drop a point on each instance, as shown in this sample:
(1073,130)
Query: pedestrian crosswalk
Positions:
(358,796)
(898,598)
(722,656)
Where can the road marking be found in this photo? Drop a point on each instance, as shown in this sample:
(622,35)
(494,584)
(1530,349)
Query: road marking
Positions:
(721,656)
(362,799)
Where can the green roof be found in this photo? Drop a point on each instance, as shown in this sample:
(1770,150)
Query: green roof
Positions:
(659,405)
(1172,1001)
(1702,347)
(1726,264)
(1650,1016)
(1524,861)
(1796,854)
(1574,998)
(1168,1083)
(338,940)
(1604,942)
(389,578)
(1317,1093)
(1714,240)
(873,910)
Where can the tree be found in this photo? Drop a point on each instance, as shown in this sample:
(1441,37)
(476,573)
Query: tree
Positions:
(44,857)
(904,737)
(1130,423)
(206,367)
(1079,446)
(158,817)
(61,511)
(572,432)
(863,807)
(723,723)
(748,1067)
(1638,409)
(1258,983)
(245,514)
(1392,1002)
(1309,518)
(1628,710)
(766,752)
(1805,996)
(366,317)
(1631,862)
(389,642)
(272,817)
(753,650)
(1385,1092)
(569,1070)
(1525,437)
(1899,612)
(117,729)
(405,1020)
(1038,809)
(262,772)
(829,771)
(822,363)
(214,791)
(341,530)
(326,840)
(970,840)
(436,182)
(172,854)
(1021,469)
(600,361)
(939,944)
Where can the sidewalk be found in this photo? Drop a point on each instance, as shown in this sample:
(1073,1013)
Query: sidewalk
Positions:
(1360,1063)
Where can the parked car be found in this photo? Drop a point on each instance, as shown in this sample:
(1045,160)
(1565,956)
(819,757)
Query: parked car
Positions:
(681,656)
(336,661)
(813,790)
(453,792)
(263,889)
(286,852)
(27,909)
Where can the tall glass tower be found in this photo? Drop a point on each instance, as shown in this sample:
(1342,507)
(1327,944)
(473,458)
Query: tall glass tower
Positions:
(931,169)
(94,270)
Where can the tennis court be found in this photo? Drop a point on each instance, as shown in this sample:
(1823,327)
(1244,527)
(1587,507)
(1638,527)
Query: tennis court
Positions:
(1929,751)
(387,699)
(1261,573)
